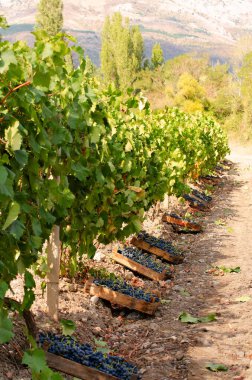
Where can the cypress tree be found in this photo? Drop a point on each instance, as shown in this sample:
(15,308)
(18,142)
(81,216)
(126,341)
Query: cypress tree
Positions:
(50,16)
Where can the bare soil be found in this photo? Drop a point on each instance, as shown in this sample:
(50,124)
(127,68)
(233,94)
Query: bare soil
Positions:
(161,346)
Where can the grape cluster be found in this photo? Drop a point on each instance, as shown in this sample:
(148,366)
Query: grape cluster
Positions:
(145,259)
(124,288)
(176,216)
(158,243)
(69,348)
(202,196)
(193,201)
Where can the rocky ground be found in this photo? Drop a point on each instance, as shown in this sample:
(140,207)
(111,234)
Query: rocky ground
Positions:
(162,346)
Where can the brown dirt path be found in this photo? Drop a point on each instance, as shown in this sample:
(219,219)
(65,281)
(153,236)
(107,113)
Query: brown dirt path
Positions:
(229,340)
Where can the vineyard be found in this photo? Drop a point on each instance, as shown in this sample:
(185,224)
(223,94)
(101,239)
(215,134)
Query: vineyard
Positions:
(94,162)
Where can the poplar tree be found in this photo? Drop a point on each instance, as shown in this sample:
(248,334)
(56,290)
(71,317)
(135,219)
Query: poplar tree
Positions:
(3,24)
(157,56)
(50,16)
(122,51)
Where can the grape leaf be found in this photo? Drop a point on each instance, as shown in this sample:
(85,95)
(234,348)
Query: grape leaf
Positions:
(216,367)
(12,215)
(243,299)
(68,326)
(5,327)
(187,318)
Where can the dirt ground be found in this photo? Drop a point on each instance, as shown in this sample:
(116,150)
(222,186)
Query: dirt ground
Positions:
(161,346)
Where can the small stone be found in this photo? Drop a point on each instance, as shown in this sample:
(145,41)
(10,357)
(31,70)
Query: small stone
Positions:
(134,315)
(142,371)
(154,326)
(9,375)
(73,288)
(99,256)
(201,261)
(204,342)
(129,275)
(94,300)
(174,338)
(97,330)
(183,341)
(177,288)
(179,355)
(146,344)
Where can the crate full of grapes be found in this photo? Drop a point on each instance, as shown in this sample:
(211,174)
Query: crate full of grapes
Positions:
(121,293)
(158,247)
(67,355)
(143,262)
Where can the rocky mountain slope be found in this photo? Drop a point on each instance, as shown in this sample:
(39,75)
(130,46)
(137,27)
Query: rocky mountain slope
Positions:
(206,25)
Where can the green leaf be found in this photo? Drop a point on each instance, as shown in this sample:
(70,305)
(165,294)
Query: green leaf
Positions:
(29,298)
(102,346)
(7,57)
(165,302)
(3,174)
(3,288)
(35,359)
(216,367)
(229,270)
(17,229)
(41,80)
(29,280)
(68,326)
(47,51)
(184,293)
(12,215)
(5,327)
(21,157)
(13,136)
(36,227)
(208,318)
(187,318)
(137,223)
(243,299)
(95,134)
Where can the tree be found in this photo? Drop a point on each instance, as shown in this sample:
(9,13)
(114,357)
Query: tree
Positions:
(190,94)
(50,16)
(122,51)
(3,24)
(157,56)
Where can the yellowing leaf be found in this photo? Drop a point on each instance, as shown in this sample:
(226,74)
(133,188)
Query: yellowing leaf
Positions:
(13,214)
(13,136)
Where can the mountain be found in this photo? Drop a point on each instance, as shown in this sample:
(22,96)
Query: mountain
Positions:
(211,26)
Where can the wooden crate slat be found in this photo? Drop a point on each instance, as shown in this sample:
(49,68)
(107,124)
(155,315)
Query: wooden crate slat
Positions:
(77,370)
(139,243)
(120,299)
(181,222)
(147,272)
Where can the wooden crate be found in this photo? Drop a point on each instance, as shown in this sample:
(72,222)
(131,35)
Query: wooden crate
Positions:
(147,272)
(139,243)
(182,222)
(78,370)
(119,298)
(184,230)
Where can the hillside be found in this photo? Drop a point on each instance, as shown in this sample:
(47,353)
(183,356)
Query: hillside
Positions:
(212,26)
